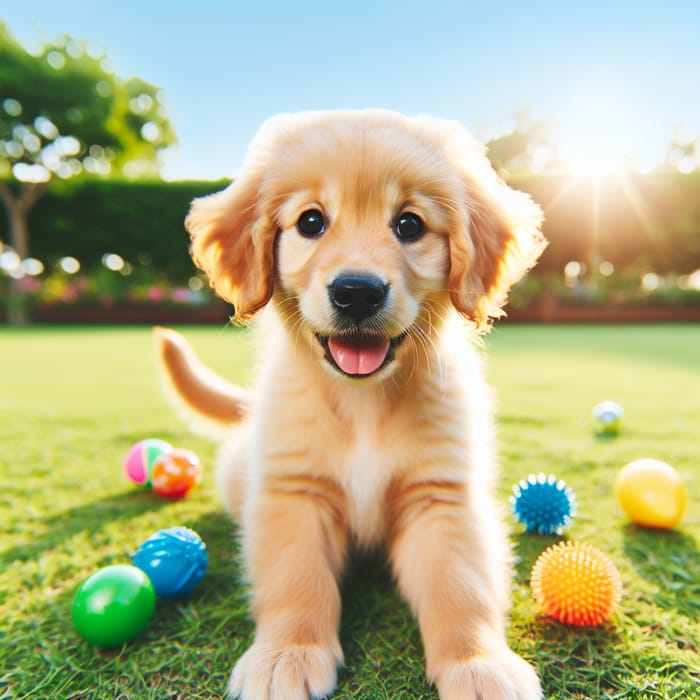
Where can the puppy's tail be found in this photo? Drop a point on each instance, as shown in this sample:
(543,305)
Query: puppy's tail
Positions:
(210,404)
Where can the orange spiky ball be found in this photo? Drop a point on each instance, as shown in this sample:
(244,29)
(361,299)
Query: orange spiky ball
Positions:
(576,583)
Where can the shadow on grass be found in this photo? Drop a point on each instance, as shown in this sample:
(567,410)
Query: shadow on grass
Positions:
(527,547)
(369,596)
(88,517)
(380,638)
(579,659)
(603,437)
(670,560)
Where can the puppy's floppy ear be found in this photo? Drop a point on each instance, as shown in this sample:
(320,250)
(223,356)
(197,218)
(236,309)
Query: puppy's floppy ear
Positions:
(233,243)
(502,241)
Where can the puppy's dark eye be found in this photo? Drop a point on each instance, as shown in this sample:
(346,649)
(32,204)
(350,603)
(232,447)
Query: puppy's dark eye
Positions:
(409,227)
(311,223)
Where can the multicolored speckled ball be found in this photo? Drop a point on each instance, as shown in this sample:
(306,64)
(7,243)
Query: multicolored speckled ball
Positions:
(139,460)
(175,473)
(576,583)
(544,504)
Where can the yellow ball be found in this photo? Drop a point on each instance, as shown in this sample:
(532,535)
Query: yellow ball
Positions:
(651,492)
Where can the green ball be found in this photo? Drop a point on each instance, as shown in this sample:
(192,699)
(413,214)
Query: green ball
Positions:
(113,605)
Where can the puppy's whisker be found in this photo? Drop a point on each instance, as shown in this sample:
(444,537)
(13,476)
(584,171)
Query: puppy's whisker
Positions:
(290,310)
(428,344)
(430,348)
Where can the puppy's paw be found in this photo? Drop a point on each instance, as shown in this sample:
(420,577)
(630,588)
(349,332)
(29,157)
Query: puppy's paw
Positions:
(266,672)
(501,676)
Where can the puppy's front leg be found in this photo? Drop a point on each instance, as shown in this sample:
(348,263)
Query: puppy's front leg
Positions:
(295,540)
(446,560)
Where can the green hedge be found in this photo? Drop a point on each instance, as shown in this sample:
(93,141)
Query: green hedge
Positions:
(141,221)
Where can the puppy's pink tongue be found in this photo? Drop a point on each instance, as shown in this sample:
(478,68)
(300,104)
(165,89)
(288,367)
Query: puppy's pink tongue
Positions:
(358,357)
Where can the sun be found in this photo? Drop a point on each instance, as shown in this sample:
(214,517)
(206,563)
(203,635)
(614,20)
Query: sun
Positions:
(592,154)
(600,135)
(593,143)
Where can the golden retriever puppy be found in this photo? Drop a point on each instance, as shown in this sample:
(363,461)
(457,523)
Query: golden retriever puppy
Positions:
(377,245)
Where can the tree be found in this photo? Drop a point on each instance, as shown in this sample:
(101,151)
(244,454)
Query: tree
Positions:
(527,147)
(63,115)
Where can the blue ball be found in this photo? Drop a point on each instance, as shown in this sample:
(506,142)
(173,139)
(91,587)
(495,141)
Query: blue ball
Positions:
(543,504)
(175,560)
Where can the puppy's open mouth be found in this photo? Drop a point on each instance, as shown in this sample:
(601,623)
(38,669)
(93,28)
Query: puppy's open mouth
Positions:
(359,355)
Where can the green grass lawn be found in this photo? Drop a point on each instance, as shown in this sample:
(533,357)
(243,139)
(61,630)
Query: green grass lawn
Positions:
(72,401)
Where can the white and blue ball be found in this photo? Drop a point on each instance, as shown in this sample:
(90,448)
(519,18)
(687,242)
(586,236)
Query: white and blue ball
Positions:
(608,416)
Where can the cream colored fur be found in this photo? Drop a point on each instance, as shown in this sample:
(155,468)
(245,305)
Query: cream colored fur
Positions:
(402,458)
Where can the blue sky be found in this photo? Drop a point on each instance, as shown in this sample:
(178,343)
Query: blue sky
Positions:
(627,72)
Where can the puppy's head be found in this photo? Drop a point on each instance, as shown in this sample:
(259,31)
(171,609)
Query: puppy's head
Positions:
(365,228)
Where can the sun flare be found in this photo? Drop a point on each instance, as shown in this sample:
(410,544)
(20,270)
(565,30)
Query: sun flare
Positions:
(592,154)
(600,135)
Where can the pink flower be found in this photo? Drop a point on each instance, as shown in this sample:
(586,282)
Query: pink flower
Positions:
(29,285)
(181,295)
(69,294)
(155,294)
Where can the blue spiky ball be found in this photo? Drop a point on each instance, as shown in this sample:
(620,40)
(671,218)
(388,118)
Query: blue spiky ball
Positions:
(544,504)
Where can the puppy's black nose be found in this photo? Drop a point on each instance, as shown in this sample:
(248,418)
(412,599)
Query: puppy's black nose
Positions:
(358,296)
